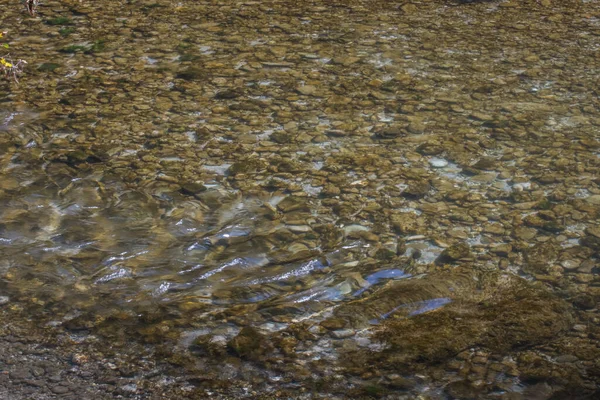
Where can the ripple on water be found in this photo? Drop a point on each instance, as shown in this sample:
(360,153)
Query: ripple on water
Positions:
(377,277)
(15,119)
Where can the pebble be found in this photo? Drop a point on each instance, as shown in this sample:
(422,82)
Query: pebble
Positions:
(567,358)
(60,389)
(570,264)
(438,162)
(502,249)
(342,333)
(20,374)
(594,199)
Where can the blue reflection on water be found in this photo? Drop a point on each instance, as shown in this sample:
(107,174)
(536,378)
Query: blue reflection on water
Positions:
(374,278)
(416,308)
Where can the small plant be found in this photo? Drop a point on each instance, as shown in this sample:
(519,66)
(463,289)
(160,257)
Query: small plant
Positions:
(96,47)
(8,67)
(66,31)
(59,21)
(75,48)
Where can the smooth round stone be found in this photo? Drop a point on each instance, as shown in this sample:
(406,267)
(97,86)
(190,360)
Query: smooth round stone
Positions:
(438,162)
(342,333)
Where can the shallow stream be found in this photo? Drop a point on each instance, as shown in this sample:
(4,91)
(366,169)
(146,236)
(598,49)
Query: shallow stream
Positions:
(348,199)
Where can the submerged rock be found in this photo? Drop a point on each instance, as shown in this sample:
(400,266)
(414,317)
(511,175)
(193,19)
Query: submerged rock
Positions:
(417,190)
(249,343)
(390,132)
(454,253)
(192,188)
(246,166)
(539,258)
(494,311)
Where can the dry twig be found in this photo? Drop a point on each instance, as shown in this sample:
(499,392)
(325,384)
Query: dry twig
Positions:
(31,6)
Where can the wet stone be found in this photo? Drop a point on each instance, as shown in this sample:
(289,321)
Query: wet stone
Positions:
(593,242)
(538,258)
(193,188)
(60,389)
(249,343)
(594,199)
(282,137)
(463,390)
(308,90)
(398,382)
(525,233)
(454,253)
(502,250)
(36,383)
(430,149)
(390,132)
(333,323)
(292,203)
(485,164)
(20,374)
(593,231)
(430,338)
(406,223)
(416,127)
(342,333)
(566,359)
(417,190)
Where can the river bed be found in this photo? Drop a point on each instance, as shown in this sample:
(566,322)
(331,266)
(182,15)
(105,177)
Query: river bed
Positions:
(277,199)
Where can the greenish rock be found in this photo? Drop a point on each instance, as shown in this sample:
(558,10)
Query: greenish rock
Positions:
(405,223)
(390,132)
(334,323)
(192,188)
(293,203)
(48,67)
(454,253)
(401,248)
(506,314)
(593,231)
(249,343)
(539,258)
(385,254)
(430,149)
(282,137)
(417,190)
(209,345)
(246,166)
(593,242)
(192,74)
(228,94)
(416,127)
(525,233)
(463,390)
(485,163)
(502,250)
